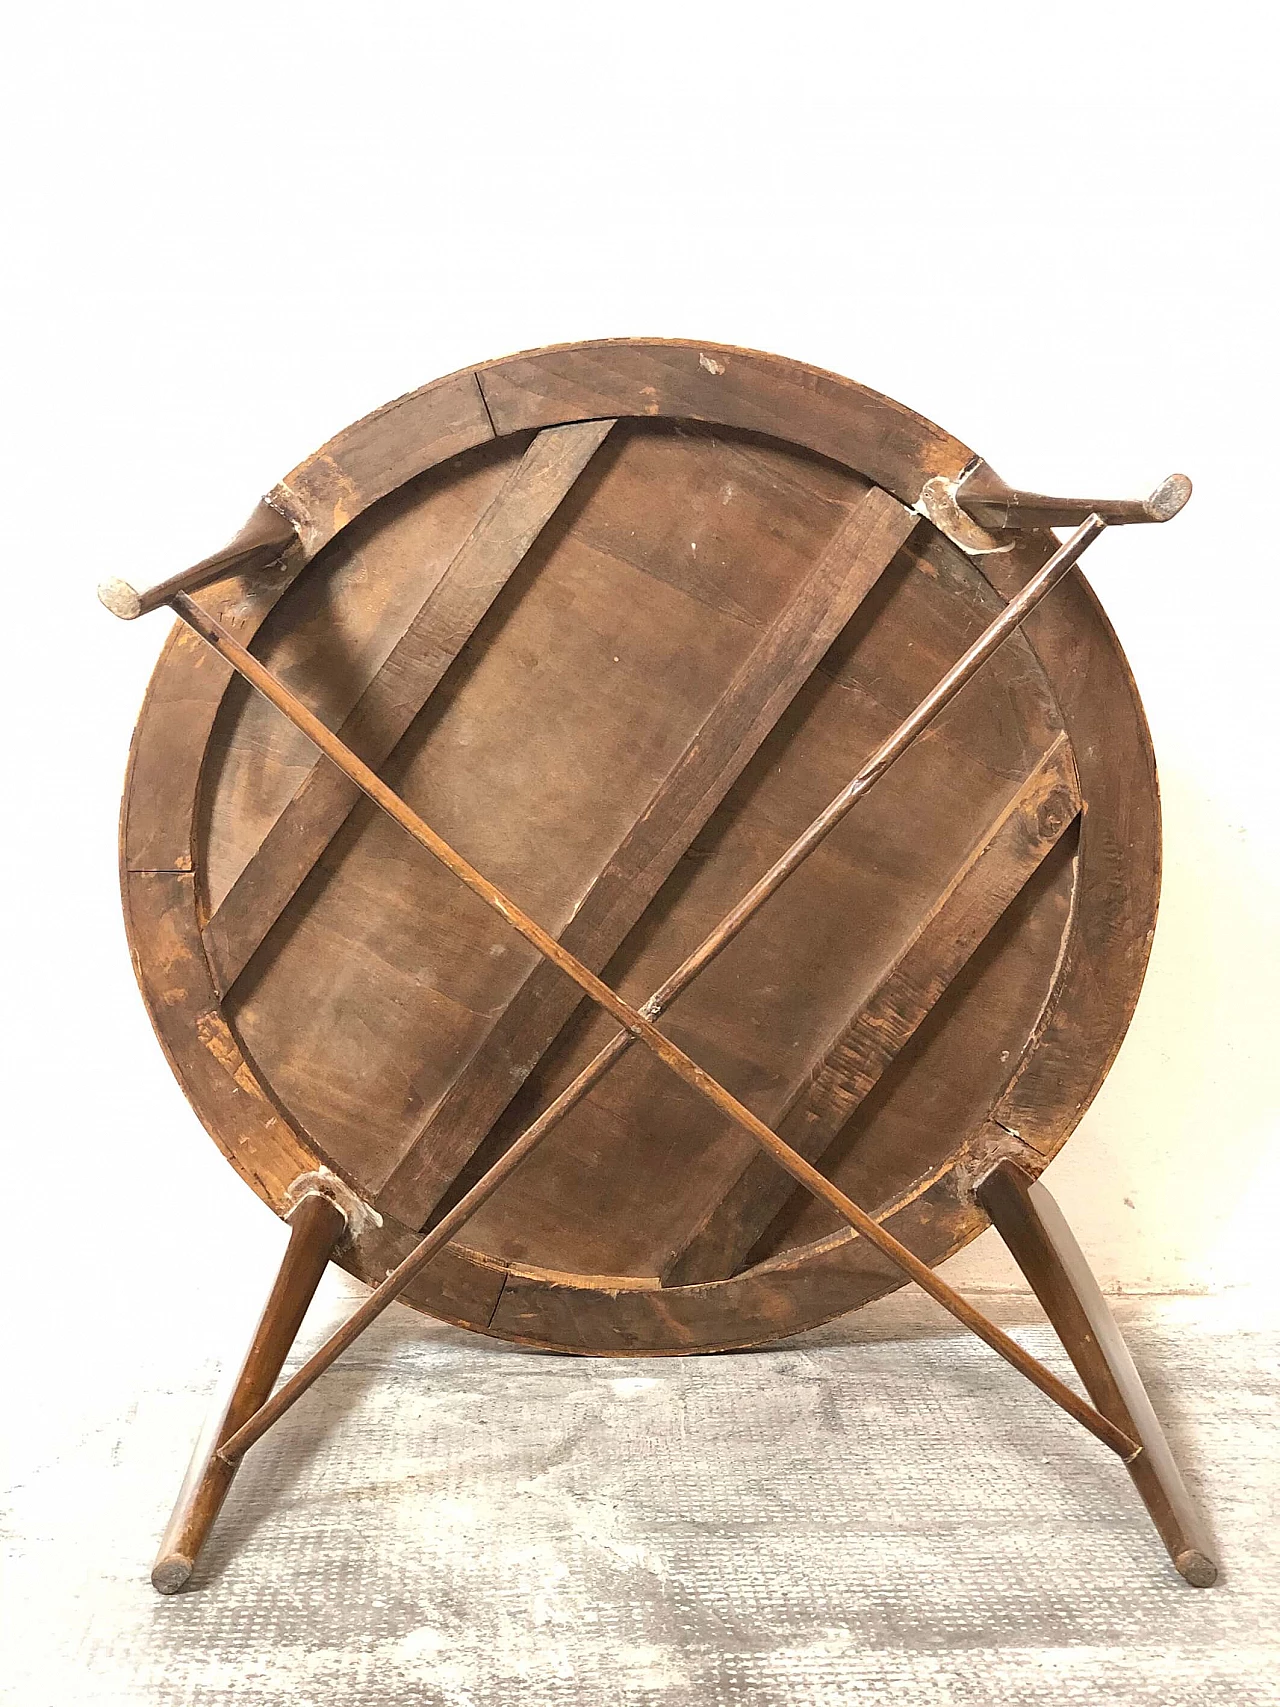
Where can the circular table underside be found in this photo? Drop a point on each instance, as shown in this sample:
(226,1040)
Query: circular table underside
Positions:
(618,620)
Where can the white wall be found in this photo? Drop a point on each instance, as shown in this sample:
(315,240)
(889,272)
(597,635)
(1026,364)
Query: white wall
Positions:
(1050,229)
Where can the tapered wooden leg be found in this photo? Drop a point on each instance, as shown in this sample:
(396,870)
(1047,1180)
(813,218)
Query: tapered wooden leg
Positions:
(1044,1248)
(315,1226)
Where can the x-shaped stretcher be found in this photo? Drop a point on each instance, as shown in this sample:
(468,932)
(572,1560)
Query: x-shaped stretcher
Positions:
(1007,1195)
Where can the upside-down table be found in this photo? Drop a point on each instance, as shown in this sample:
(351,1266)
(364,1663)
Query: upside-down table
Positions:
(643,847)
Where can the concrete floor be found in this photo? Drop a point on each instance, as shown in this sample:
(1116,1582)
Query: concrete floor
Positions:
(880,1512)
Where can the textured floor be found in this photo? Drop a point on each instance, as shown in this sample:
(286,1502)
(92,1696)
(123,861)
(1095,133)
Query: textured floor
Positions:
(881,1512)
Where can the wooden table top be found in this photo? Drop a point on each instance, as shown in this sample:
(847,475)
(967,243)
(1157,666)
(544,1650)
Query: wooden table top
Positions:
(618,620)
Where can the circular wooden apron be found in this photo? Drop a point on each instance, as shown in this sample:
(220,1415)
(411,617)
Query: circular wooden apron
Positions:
(618,619)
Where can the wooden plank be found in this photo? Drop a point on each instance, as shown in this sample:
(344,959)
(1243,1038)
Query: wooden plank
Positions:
(892,445)
(995,871)
(787,654)
(396,694)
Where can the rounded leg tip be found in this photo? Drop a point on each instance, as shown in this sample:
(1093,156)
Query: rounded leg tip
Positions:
(120,599)
(1196,1568)
(170,1574)
(1168,498)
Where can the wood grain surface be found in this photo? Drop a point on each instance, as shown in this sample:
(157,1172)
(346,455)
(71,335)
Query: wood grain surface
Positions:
(618,620)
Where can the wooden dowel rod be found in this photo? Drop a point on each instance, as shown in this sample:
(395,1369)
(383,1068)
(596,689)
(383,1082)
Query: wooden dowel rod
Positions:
(263,540)
(992,504)
(639,1026)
